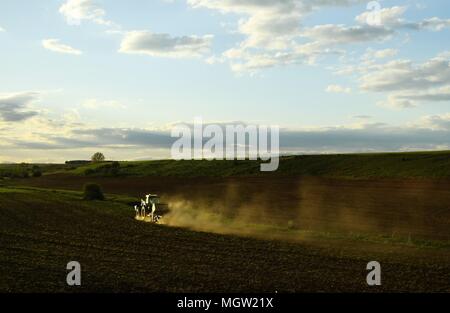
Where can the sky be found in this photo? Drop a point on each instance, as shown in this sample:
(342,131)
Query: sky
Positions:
(80,76)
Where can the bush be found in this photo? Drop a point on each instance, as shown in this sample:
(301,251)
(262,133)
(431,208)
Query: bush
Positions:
(37,173)
(93,192)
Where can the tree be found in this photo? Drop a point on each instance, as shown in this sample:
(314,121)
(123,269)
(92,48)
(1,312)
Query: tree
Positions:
(98,157)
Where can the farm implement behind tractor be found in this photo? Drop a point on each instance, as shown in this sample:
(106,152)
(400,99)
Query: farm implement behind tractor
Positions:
(151,209)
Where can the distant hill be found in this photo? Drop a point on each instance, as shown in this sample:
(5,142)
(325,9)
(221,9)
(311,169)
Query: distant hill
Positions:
(376,165)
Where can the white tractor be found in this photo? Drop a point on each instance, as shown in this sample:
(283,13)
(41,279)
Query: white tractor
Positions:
(150,210)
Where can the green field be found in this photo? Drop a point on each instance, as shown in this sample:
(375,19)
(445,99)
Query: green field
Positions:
(419,164)
(378,165)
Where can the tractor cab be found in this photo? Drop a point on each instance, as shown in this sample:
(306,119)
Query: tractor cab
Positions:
(153,199)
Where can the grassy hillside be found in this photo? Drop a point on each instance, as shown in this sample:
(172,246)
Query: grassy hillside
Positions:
(25,170)
(41,231)
(401,165)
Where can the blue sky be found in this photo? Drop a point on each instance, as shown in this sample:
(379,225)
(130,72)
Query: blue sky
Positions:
(84,75)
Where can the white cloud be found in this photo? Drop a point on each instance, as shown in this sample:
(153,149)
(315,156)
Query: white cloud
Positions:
(386,17)
(341,34)
(95,104)
(2,29)
(410,99)
(393,18)
(72,116)
(271,29)
(395,102)
(75,11)
(406,84)
(273,33)
(244,60)
(404,75)
(338,89)
(436,122)
(434,24)
(163,45)
(409,84)
(390,21)
(56,46)
(362,117)
(266,23)
(379,54)
(246,6)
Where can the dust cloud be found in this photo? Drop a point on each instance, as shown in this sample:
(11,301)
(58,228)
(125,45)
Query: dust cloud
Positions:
(289,208)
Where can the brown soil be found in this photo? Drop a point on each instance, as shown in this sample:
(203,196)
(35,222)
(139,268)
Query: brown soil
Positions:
(414,208)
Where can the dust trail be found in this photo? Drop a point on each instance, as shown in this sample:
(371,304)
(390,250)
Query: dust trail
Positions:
(190,215)
(288,209)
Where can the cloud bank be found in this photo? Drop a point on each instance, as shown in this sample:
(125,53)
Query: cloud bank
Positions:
(164,45)
(14,107)
(56,46)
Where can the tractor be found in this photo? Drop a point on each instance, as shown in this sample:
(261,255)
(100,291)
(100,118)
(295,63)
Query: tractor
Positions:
(151,209)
